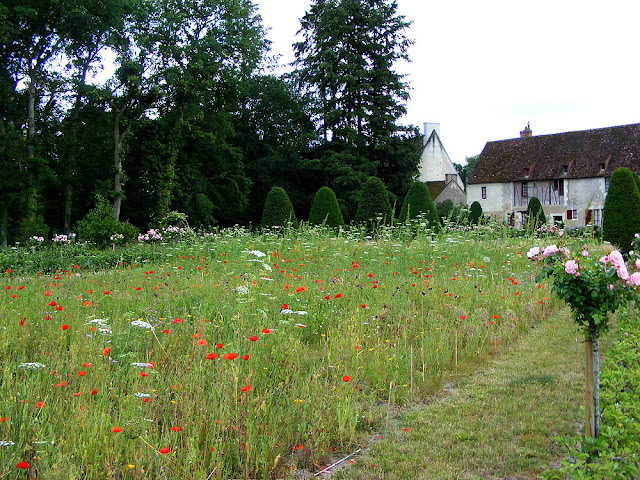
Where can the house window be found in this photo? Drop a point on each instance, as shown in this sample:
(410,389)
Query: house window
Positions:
(587,217)
(523,218)
(484,192)
(606,185)
(526,171)
(597,217)
(602,165)
(565,169)
(525,190)
(572,214)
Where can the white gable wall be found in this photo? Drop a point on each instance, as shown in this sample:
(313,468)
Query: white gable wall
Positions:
(435,164)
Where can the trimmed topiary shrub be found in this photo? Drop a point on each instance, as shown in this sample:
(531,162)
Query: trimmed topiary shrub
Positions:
(475,213)
(535,217)
(325,209)
(418,201)
(374,202)
(278,210)
(621,217)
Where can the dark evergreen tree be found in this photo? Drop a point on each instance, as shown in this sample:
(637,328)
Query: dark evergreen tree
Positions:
(475,213)
(621,217)
(325,209)
(374,206)
(278,210)
(418,202)
(535,216)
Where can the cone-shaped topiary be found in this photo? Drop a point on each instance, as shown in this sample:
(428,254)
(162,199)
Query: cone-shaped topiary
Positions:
(278,210)
(621,217)
(374,202)
(475,213)
(418,201)
(535,216)
(325,209)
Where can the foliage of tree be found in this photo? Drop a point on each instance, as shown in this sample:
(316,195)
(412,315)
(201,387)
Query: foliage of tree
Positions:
(345,66)
(466,170)
(417,202)
(99,226)
(278,210)
(535,216)
(475,213)
(621,216)
(325,209)
(374,206)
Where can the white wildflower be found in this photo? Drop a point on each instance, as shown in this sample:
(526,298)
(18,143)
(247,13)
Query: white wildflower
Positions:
(141,324)
(142,364)
(31,365)
(142,395)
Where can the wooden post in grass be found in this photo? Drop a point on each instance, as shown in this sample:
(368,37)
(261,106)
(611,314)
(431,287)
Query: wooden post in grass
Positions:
(592,387)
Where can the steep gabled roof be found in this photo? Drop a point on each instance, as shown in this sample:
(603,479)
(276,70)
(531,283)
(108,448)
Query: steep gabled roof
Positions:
(545,157)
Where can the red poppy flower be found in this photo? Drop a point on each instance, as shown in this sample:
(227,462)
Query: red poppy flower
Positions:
(285,306)
(52,303)
(86,304)
(363,305)
(266,330)
(246,388)
(106,292)
(202,342)
(21,322)
(230,356)
(219,345)
(338,295)
(301,289)
(85,364)
(253,338)
(64,327)
(77,394)
(146,399)
(3,419)
(138,288)
(39,404)
(47,293)
(164,450)
(346,378)
(142,374)
(94,391)
(327,297)
(496,316)
(406,429)
(175,429)
(82,373)
(22,465)
(105,351)
(245,357)
(212,356)
(166,332)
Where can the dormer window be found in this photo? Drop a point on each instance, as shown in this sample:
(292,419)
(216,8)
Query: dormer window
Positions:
(565,169)
(526,171)
(602,165)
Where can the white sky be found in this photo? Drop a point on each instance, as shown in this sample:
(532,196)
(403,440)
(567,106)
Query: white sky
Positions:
(483,69)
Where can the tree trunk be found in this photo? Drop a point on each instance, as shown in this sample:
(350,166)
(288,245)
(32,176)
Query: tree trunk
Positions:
(68,197)
(592,388)
(31,117)
(117,163)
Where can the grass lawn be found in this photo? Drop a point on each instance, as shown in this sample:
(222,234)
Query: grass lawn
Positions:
(498,423)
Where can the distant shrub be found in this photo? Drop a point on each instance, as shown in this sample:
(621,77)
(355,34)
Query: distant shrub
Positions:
(278,210)
(374,203)
(325,209)
(100,227)
(475,213)
(535,217)
(621,217)
(418,202)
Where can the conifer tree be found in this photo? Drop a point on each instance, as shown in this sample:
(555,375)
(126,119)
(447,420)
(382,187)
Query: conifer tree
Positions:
(621,217)
(278,210)
(325,209)
(418,202)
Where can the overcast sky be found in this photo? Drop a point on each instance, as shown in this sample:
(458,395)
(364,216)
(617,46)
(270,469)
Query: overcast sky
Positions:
(483,69)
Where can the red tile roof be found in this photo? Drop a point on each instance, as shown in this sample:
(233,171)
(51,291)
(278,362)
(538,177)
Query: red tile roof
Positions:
(545,157)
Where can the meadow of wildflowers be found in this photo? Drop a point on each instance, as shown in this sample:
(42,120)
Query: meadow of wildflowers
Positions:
(246,356)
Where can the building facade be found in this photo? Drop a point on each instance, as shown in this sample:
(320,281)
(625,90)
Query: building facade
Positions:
(568,172)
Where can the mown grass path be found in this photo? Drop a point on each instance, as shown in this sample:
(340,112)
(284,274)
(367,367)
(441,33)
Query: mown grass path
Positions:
(499,423)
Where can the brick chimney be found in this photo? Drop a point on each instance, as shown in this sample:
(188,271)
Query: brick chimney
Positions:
(526,133)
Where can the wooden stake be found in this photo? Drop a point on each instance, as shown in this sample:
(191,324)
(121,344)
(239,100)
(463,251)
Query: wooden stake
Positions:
(592,387)
(588,391)
(386,427)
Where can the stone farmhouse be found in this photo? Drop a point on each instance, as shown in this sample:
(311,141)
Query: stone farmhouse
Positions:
(568,172)
(437,170)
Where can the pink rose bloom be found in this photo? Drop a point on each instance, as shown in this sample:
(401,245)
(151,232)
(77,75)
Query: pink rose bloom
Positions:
(560,233)
(616,259)
(604,259)
(635,279)
(638,264)
(549,250)
(536,250)
(585,253)
(571,267)
(622,272)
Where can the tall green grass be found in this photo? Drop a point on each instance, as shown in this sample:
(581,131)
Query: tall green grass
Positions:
(323,328)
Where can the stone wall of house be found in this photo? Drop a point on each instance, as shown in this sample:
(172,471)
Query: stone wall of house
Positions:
(498,198)
(454,193)
(435,164)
